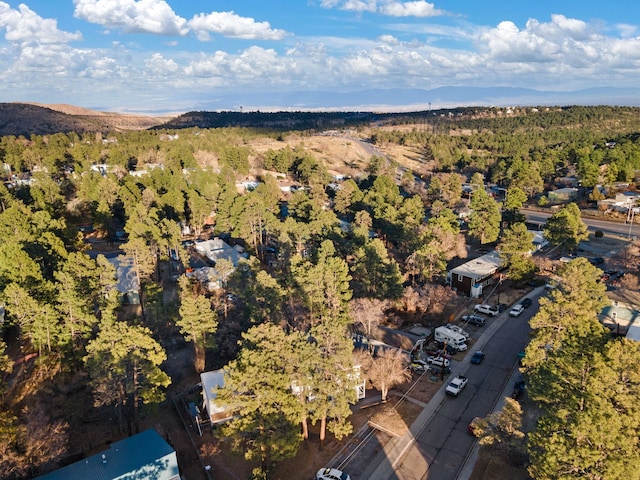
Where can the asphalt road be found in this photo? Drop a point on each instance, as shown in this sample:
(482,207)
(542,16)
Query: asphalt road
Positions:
(606,226)
(440,446)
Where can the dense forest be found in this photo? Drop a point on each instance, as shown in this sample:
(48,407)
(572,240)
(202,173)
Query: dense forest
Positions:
(320,259)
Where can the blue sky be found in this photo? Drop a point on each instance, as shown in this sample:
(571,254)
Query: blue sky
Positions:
(181,55)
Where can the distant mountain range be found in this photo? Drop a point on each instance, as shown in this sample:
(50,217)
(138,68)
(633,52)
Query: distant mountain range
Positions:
(403,99)
(324,109)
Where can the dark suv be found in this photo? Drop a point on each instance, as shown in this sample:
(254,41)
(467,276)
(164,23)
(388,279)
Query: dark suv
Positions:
(473,320)
(526,302)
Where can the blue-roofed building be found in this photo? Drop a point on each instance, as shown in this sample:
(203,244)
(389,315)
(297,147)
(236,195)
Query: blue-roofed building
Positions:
(145,456)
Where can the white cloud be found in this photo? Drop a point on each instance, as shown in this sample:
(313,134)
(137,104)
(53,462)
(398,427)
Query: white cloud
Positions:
(564,40)
(627,30)
(353,5)
(416,8)
(390,39)
(229,24)
(159,66)
(23,26)
(143,16)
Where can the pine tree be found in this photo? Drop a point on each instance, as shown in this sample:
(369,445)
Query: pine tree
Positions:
(515,251)
(197,321)
(257,388)
(484,221)
(565,227)
(124,365)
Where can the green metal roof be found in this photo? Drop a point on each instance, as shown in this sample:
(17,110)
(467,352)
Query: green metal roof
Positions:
(145,456)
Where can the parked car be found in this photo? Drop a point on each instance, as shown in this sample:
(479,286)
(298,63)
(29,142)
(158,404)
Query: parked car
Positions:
(518,389)
(516,310)
(332,474)
(438,361)
(419,366)
(472,428)
(450,349)
(478,357)
(473,319)
(491,310)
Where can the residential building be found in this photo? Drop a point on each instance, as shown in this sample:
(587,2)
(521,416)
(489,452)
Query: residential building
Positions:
(622,315)
(143,456)
(127,279)
(211,381)
(215,250)
(562,195)
(472,277)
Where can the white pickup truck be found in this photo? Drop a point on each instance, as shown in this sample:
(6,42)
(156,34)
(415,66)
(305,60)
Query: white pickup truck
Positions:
(456,385)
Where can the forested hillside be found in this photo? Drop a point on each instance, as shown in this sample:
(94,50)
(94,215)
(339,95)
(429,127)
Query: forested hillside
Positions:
(333,244)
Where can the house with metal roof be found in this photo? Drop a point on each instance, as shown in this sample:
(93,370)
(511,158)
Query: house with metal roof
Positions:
(622,315)
(145,456)
(472,277)
(127,279)
(211,381)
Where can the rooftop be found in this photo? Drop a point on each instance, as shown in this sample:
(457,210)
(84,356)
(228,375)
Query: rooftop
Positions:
(479,267)
(145,455)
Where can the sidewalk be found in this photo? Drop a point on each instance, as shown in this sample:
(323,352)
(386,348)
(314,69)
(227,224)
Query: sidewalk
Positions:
(382,468)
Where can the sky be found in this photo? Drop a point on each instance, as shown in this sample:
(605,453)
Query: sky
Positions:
(174,56)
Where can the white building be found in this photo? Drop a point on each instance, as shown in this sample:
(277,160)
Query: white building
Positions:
(211,381)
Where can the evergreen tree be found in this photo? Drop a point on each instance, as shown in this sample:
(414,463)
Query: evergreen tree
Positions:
(376,274)
(197,321)
(124,365)
(565,227)
(484,221)
(257,388)
(515,251)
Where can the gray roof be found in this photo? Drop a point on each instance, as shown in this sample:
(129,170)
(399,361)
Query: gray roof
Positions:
(479,267)
(125,274)
(216,248)
(144,456)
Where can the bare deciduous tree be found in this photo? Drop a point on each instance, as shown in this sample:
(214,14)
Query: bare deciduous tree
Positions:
(387,370)
(368,312)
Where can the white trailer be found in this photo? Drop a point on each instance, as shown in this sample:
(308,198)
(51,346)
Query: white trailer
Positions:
(444,334)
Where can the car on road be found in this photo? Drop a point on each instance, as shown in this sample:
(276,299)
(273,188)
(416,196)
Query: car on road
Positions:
(526,302)
(456,385)
(491,310)
(332,474)
(477,357)
(473,319)
(516,310)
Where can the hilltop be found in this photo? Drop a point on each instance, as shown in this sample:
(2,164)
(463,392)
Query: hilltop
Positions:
(37,119)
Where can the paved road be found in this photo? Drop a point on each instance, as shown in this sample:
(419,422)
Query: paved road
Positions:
(606,226)
(439,446)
